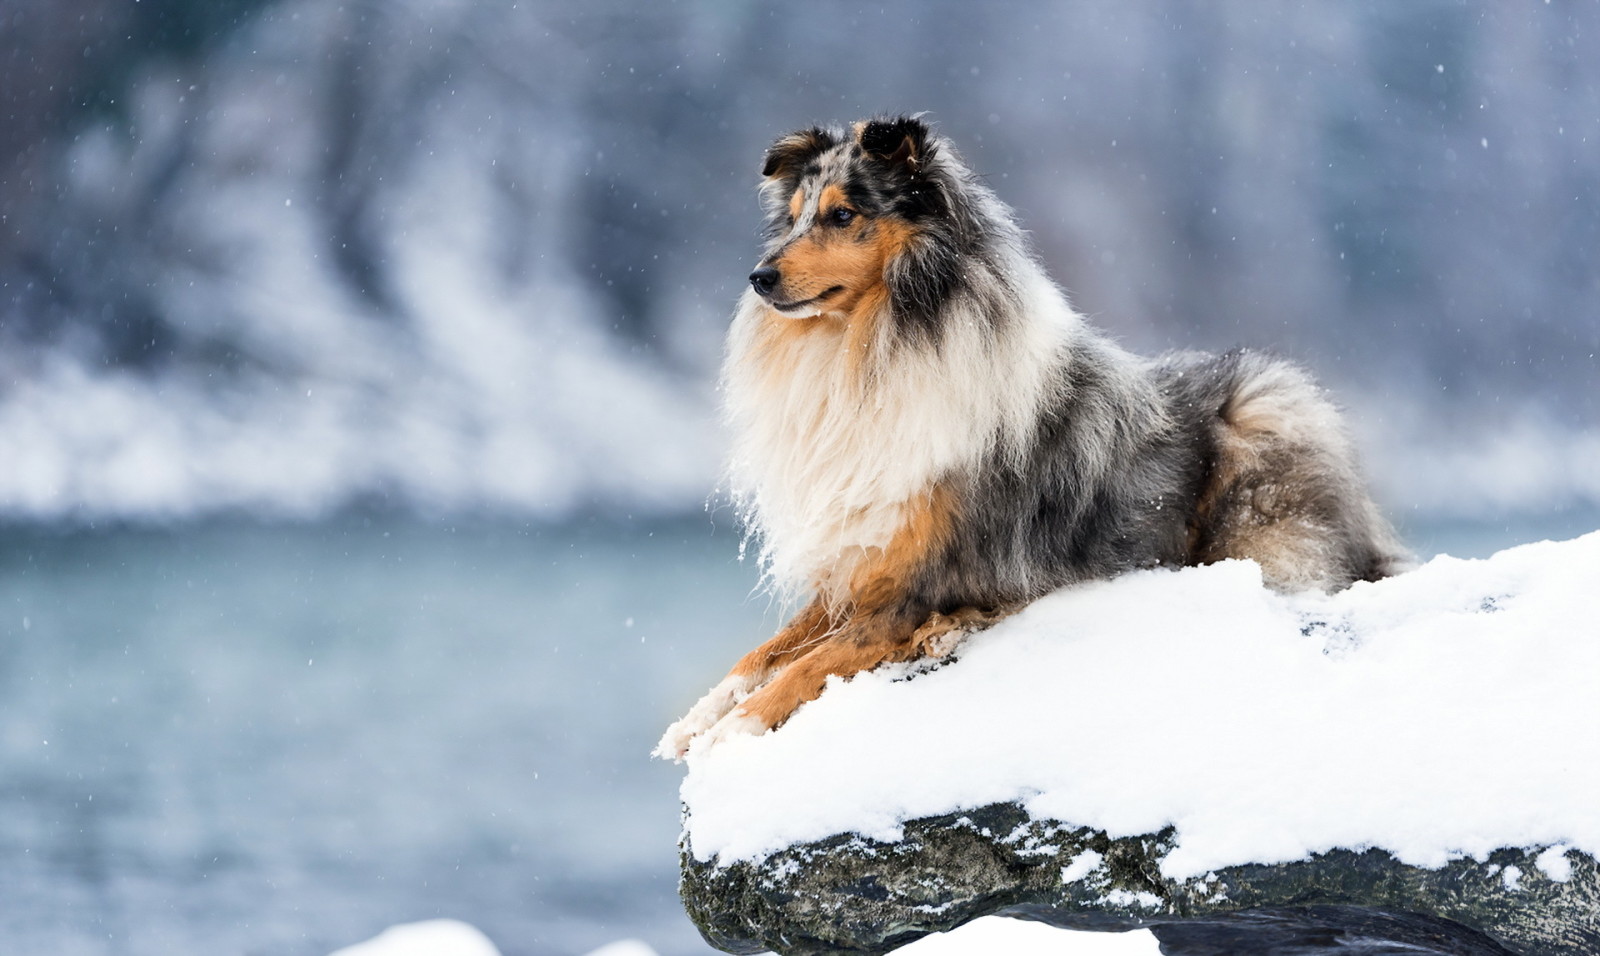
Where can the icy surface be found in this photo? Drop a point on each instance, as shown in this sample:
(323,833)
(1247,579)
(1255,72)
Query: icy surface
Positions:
(1445,712)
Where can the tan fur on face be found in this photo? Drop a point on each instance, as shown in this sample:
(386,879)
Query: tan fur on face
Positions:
(851,258)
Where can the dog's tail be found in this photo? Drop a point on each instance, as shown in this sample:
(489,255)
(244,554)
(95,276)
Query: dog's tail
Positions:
(1286,487)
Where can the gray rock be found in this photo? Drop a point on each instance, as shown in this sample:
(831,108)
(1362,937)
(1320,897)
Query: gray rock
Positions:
(848,894)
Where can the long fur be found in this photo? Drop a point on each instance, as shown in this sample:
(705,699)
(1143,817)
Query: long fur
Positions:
(924,425)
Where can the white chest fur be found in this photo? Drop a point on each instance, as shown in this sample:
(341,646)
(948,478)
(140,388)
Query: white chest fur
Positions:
(829,445)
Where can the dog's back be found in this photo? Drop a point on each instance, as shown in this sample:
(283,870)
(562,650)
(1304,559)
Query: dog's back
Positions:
(1188,459)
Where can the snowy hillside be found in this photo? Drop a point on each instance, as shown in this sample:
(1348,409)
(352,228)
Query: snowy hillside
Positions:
(285,255)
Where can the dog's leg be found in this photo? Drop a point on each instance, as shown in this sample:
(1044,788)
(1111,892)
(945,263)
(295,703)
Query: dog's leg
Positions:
(885,613)
(804,632)
(871,637)
(867,641)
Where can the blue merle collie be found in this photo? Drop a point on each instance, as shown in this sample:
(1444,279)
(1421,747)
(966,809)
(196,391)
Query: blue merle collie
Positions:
(927,435)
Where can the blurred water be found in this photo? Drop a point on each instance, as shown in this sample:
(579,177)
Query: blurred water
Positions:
(280,739)
(241,738)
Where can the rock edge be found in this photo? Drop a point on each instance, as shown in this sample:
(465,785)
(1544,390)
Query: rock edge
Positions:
(849,894)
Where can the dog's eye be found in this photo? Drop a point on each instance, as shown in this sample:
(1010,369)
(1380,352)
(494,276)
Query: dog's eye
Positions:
(841,216)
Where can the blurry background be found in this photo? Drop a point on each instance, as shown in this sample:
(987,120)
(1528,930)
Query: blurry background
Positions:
(357,388)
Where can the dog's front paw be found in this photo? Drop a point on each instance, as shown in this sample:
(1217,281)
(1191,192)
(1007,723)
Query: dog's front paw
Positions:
(702,716)
(675,742)
(735,724)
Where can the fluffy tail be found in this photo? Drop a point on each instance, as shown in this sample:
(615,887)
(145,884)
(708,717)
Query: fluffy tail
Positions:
(1286,489)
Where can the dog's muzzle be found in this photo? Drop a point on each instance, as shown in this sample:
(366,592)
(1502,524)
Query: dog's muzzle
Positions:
(764,280)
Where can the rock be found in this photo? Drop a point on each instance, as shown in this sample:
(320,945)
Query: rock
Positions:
(848,894)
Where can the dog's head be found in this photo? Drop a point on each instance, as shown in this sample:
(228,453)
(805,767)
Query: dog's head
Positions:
(860,219)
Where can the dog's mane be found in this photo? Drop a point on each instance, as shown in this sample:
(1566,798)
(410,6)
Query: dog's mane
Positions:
(968,351)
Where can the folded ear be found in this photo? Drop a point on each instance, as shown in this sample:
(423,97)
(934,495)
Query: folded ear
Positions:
(790,153)
(899,141)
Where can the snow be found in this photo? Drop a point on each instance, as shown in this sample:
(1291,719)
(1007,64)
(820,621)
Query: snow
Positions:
(448,937)
(596,427)
(625,947)
(1014,937)
(1479,472)
(1511,877)
(437,937)
(1081,866)
(1449,711)
(981,937)
(1554,864)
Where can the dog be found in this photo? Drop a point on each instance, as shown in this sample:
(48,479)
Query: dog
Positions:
(927,436)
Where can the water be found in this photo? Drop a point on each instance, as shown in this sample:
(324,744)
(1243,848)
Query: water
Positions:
(255,739)
(241,738)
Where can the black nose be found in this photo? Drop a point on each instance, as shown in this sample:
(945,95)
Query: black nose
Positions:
(764,280)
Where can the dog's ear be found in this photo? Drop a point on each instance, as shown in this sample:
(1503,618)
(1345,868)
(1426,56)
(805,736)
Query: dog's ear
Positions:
(790,153)
(901,142)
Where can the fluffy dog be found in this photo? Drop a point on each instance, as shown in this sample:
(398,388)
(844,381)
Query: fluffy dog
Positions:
(927,434)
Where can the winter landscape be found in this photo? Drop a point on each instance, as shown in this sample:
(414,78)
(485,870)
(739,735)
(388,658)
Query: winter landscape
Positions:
(360,525)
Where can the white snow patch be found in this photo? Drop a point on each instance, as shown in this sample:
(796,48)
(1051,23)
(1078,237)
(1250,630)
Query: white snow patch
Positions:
(1511,876)
(437,937)
(448,937)
(625,947)
(1443,713)
(1141,899)
(1085,863)
(1015,937)
(1554,864)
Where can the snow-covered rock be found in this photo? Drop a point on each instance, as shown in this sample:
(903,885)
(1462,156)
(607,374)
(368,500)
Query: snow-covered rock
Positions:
(1180,745)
